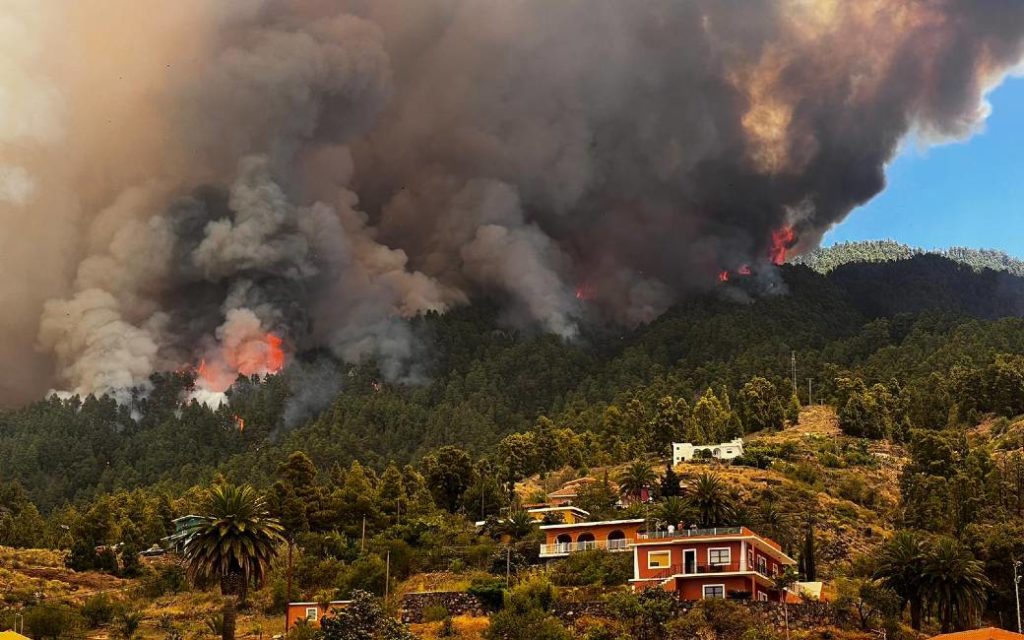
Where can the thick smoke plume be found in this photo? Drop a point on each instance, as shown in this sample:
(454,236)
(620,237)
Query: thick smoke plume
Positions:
(226,182)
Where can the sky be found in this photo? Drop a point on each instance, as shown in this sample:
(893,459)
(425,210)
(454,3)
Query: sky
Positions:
(968,193)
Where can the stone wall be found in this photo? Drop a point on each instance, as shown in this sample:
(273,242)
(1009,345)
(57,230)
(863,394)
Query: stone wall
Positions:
(809,615)
(456,603)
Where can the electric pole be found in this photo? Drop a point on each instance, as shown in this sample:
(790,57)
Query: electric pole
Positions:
(1016,590)
(792,361)
(810,397)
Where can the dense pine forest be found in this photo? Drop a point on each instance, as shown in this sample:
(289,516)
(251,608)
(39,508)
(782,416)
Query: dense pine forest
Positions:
(911,354)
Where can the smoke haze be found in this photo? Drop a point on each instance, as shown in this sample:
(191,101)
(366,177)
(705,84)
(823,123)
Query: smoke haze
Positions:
(226,182)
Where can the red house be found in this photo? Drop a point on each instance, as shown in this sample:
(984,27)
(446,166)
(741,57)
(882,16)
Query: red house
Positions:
(709,563)
(311,612)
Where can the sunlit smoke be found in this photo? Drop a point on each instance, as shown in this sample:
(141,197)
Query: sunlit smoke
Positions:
(267,179)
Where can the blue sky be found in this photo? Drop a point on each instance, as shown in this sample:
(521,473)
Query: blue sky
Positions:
(968,193)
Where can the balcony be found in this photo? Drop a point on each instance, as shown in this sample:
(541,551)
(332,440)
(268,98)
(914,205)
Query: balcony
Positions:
(705,569)
(695,533)
(565,548)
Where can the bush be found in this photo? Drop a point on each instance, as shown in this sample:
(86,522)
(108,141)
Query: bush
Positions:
(301,630)
(98,610)
(435,613)
(491,593)
(597,568)
(715,619)
(166,578)
(50,621)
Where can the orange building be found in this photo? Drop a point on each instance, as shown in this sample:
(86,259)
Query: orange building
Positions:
(612,535)
(311,612)
(709,563)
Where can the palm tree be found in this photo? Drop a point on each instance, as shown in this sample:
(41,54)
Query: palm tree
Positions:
(234,544)
(672,511)
(711,500)
(954,582)
(900,565)
(636,477)
(517,525)
(774,522)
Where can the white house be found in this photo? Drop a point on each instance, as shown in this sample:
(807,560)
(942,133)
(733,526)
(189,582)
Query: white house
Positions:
(685,451)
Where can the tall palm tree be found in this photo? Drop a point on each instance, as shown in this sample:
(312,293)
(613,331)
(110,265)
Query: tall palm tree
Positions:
(900,565)
(235,544)
(954,582)
(672,511)
(711,500)
(637,476)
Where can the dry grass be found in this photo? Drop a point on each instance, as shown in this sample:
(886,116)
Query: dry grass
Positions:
(466,628)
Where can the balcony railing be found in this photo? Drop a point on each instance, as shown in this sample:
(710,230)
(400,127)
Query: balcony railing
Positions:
(564,548)
(690,533)
(703,569)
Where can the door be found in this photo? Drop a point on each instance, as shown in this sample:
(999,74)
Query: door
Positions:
(690,561)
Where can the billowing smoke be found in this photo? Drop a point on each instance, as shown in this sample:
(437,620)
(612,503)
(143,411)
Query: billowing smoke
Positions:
(221,183)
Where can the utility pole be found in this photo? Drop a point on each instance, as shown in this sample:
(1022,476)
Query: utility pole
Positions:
(1016,590)
(792,361)
(810,398)
(362,540)
(288,589)
(387,576)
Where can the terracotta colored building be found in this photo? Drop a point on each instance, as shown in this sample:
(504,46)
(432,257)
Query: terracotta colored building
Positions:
(311,612)
(709,563)
(613,535)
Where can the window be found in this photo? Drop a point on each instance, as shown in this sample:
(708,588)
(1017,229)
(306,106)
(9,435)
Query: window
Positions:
(762,565)
(714,591)
(659,559)
(719,556)
(762,596)
(775,569)
(311,613)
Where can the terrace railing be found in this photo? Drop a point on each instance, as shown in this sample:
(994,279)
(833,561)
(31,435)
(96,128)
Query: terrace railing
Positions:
(563,548)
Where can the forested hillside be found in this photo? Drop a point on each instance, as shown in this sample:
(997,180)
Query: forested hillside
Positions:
(927,331)
(825,259)
(904,428)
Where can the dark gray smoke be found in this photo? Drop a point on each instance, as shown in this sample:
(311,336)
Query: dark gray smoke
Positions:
(321,170)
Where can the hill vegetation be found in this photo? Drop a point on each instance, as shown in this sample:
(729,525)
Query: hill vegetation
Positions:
(904,420)
(826,259)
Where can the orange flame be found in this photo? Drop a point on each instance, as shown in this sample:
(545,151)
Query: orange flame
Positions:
(782,239)
(723,276)
(584,292)
(261,356)
(744,270)
(240,422)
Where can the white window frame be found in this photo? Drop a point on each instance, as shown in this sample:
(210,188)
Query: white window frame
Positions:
(704,591)
(659,553)
(728,556)
(762,565)
(312,614)
(762,596)
(775,568)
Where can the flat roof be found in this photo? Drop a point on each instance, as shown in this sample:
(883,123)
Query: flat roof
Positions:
(307,604)
(578,525)
(563,508)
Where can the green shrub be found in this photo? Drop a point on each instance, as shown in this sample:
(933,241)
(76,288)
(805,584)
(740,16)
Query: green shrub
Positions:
(51,621)
(435,613)
(596,567)
(164,579)
(98,610)
(491,593)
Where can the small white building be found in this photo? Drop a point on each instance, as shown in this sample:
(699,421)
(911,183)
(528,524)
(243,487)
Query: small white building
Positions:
(685,451)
